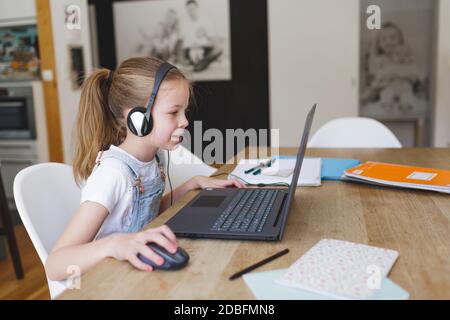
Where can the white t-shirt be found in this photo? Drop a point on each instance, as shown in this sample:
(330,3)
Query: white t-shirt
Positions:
(110,185)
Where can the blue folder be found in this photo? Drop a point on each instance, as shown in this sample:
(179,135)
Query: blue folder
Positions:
(264,287)
(332,168)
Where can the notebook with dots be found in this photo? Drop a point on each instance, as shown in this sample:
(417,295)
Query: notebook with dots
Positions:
(341,269)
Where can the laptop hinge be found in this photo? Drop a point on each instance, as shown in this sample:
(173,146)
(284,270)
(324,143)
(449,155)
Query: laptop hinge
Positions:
(280,211)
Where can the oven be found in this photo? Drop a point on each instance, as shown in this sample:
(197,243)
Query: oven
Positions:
(18,148)
(17,113)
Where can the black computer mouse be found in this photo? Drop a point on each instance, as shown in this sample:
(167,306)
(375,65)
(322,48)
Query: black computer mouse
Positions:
(172,261)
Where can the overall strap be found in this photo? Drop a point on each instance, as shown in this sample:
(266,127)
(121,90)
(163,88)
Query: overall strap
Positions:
(123,158)
(126,160)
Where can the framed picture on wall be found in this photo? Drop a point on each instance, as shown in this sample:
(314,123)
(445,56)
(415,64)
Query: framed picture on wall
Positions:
(194,35)
(19,50)
(77,71)
(396,59)
(396,67)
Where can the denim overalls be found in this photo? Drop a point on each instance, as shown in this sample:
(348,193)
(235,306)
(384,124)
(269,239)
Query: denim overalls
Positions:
(146,195)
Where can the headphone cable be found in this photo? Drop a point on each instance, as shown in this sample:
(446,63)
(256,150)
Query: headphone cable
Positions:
(168,177)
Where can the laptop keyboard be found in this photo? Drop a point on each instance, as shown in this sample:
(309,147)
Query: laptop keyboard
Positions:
(247,212)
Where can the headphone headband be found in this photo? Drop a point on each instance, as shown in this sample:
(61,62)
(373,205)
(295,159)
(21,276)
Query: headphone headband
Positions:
(163,69)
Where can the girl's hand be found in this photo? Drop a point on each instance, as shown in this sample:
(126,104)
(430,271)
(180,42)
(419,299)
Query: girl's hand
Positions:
(202,182)
(126,246)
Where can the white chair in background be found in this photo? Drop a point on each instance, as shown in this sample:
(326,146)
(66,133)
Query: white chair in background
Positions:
(183,166)
(46,197)
(354,133)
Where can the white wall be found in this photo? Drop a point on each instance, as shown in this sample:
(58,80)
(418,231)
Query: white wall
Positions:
(442,98)
(62,39)
(313,58)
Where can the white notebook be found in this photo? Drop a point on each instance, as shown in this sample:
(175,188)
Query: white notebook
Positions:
(310,174)
(341,269)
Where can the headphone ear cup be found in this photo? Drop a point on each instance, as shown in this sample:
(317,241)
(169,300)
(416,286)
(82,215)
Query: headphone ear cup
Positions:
(131,126)
(137,122)
(147,126)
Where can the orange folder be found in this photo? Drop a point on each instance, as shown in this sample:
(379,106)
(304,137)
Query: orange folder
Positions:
(400,176)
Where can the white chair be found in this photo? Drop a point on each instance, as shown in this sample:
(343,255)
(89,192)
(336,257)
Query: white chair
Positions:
(46,197)
(354,133)
(183,166)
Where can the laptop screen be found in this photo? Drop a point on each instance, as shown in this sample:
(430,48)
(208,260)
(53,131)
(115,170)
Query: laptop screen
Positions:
(298,164)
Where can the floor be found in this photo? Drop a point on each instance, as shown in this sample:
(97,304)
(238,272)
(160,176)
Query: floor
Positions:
(34,284)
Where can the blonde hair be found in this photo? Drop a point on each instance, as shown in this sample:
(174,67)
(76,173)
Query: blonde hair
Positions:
(100,121)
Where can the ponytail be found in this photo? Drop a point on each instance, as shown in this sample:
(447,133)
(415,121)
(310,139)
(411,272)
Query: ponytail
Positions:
(96,125)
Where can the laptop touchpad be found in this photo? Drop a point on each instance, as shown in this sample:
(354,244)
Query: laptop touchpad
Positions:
(208,201)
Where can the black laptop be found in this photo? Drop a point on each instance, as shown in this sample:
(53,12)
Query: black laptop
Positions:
(240,214)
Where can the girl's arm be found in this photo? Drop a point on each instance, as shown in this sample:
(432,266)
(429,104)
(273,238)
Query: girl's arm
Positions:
(75,246)
(197,182)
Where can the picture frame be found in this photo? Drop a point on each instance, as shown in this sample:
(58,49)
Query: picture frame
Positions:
(194,35)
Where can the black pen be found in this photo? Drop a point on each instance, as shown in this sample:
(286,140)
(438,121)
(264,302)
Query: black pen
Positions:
(259,264)
(267,163)
(257,171)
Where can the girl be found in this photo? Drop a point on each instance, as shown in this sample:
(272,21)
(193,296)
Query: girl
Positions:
(123,189)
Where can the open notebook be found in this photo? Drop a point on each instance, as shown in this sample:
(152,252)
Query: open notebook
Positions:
(310,174)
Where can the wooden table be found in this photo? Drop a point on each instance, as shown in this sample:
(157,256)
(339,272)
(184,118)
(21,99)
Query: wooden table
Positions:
(415,223)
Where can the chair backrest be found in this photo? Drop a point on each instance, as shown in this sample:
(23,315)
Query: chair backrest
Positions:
(185,165)
(46,197)
(354,133)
